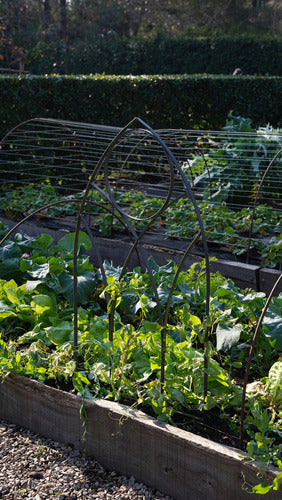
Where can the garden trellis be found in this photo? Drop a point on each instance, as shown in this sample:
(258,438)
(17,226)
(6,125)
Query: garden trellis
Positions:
(135,136)
(235,177)
(135,154)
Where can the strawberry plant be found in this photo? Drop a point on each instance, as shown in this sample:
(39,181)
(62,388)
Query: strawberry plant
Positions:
(223,225)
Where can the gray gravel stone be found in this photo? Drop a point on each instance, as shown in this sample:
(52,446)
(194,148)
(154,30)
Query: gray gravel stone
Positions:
(35,468)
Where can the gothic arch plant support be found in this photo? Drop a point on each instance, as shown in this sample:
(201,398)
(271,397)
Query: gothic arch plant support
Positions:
(138,129)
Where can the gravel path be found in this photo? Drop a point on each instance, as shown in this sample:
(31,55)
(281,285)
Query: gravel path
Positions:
(35,468)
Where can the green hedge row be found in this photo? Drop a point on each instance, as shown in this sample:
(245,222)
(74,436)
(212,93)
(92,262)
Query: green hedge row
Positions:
(159,56)
(161,101)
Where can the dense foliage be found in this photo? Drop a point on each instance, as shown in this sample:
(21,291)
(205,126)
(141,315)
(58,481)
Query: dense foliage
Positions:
(29,21)
(163,101)
(160,55)
(230,170)
(225,173)
(185,16)
(36,319)
(223,226)
(141,37)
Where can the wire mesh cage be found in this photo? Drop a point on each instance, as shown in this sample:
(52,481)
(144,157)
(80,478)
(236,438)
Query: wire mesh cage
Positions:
(115,167)
(117,180)
(235,177)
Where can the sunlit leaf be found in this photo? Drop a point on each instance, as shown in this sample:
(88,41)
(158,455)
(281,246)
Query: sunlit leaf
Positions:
(227,336)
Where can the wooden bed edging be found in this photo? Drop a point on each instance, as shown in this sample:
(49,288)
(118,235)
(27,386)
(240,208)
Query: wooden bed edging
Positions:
(179,463)
(244,275)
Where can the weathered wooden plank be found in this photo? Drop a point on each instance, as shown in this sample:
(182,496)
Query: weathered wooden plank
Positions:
(267,279)
(243,275)
(40,408)
(32,227)
(116,250)
(179,463)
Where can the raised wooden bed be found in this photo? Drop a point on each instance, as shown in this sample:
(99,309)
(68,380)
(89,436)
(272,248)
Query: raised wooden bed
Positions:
(177,462)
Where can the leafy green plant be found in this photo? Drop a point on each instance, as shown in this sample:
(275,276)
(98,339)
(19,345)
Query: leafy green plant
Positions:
(232,171)
(222,224)
(264,488)
(37,337)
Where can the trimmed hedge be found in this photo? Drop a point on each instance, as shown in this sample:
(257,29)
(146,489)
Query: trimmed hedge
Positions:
(189,102)
(160,55)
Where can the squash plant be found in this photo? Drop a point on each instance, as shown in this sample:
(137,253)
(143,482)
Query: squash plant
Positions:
(36,325)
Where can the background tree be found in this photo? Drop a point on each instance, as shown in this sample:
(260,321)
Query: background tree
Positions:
(31,22)
(10,54)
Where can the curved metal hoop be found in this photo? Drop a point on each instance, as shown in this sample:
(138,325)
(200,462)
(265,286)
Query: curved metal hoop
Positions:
(251,353)
(174,167)
(267,170)
(135,127)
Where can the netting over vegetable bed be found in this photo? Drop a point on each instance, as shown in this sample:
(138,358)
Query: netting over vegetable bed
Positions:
(235,175)
(153,334)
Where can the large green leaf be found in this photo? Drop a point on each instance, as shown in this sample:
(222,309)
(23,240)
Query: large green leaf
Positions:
(227,336)
(142,365)
(110,270)
(10,267)
(39,271)
(85,286)
(163,293)
(66,243)
(10,254)
(97,331)
(129,301)
(167,269)
(13,293)
(44,305)
(274,384)
(33,284)
(60,334)
(273,323)
(9,250)
(6,310)
(39,244)
(227,289)
(37,333)
(56,266)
